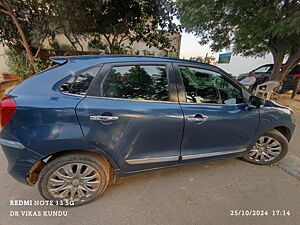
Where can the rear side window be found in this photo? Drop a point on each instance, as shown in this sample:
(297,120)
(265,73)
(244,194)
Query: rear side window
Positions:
(140,82)
(79,83)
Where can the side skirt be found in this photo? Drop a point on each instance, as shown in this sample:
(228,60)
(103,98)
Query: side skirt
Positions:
(232,154)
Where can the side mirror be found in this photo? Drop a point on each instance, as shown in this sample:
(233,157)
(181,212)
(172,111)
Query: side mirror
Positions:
(255,102)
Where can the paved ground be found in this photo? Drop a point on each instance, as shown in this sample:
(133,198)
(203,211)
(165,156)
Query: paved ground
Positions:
(199,194)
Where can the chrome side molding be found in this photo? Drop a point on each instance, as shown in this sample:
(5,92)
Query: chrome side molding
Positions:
(204,155)
(152,160)
(176,158)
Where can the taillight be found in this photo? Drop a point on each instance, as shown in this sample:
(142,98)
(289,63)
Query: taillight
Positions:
(7,110)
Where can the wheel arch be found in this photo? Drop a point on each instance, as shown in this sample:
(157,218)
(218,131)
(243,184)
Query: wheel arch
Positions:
(33,174)
(285,131)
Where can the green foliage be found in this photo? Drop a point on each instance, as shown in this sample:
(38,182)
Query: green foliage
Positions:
(54,44)
(41,65)
(123,22)
(251,28)
(247,25)
(24,23)
(18,64)
(28,23)
(33,17)
(97,43)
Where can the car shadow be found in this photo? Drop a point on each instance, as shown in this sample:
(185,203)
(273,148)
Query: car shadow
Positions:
(174,174)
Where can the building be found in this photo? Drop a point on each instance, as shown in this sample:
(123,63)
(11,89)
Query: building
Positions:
(3,66)
(237,64)
(137,48)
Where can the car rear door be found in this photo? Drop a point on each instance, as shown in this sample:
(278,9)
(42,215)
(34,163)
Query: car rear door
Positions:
(131,112)
(217,123)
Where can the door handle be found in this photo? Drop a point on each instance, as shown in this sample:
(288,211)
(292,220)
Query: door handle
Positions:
(104,118)
(197,118)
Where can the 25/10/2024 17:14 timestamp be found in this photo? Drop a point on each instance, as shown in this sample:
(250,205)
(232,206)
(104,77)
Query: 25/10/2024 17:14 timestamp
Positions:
(253,212)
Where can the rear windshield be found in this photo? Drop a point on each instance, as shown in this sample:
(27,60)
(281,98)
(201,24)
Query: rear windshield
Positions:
(79,83)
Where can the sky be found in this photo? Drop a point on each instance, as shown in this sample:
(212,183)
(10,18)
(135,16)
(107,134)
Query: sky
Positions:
(191,48)
(238,64)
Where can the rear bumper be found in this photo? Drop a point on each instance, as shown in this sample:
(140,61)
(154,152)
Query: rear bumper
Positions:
(20,159)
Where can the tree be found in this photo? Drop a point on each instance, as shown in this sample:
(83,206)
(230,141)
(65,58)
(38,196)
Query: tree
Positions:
(252,28)
(27,23)
(122,22)
(24,23)
(73,19)
(119,22)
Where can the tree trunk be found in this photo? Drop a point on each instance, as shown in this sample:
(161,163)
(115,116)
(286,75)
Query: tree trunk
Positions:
(296,88)
(110,44)
(110,48)
(23,40)
(78,42)
(278,53)
(278,61)
(288,66)
(280,70)
(70,40)
(24,43)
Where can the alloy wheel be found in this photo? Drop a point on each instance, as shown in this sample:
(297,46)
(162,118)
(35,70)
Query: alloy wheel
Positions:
(266,149)
(74,182)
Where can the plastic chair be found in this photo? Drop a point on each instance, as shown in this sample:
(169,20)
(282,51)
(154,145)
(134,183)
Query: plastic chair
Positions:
(266,89)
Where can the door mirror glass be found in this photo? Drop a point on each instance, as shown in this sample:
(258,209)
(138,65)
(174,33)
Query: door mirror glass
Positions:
(230,101)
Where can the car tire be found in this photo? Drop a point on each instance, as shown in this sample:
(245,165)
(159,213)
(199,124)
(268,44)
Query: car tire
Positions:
(74,178)
(270,148)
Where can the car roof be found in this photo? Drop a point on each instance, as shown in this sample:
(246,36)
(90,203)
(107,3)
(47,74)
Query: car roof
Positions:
(271,65)
(123,58)
(267,65)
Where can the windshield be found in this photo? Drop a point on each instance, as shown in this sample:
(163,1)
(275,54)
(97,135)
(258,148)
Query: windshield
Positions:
(263,69)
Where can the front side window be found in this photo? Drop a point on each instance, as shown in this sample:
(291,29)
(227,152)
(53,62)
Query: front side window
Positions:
(141,82)
(79,83)
(204,86)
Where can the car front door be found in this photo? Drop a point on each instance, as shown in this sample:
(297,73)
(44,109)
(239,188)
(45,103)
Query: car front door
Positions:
(134,115)
(217,122)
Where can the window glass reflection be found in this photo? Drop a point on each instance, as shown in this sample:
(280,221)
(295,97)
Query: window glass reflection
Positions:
(137,82)
(204,86)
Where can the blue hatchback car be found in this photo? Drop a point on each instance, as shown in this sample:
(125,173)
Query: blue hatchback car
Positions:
(75,127)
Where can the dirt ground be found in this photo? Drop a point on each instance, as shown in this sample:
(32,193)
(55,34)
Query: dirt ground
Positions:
(287,101)
(295,105)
